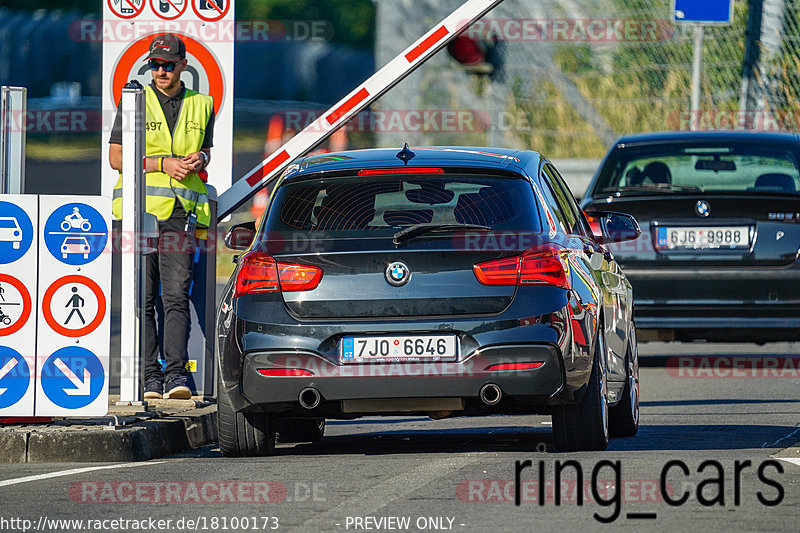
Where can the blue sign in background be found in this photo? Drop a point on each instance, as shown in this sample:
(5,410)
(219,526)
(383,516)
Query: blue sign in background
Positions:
(55,383)
(709,11)
(75,237)
(16,232)
(17,380)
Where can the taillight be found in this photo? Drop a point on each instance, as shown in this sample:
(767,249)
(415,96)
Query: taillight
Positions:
(543,265)
(540,265)
(285,372)
(510,367)
(259,272)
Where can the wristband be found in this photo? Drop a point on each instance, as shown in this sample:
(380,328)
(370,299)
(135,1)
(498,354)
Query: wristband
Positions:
(205,158)
(161,164)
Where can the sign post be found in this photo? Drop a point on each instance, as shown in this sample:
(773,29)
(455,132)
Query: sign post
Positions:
(133,202)
(13,112)
(700,14)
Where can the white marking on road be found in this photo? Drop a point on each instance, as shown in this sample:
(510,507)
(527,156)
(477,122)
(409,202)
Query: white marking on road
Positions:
(62,473)
(790,435)
(395,488)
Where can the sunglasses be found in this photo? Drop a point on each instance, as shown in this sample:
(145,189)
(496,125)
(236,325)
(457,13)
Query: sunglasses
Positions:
(155,65)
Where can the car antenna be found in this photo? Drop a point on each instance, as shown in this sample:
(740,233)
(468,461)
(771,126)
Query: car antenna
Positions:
(406,154)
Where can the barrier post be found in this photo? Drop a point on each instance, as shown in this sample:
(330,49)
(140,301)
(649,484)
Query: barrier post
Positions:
(202,340)
(133,203)
(13,112)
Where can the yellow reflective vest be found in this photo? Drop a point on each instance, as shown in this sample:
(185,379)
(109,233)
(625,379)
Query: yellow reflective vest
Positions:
(161,190)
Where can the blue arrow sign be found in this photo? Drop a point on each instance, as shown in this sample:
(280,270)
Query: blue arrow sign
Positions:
(703,12)
(72,377)
(75,233)
(16,232)
(15,377)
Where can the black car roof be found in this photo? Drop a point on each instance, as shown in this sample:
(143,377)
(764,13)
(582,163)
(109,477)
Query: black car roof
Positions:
(425,156)
(708,136)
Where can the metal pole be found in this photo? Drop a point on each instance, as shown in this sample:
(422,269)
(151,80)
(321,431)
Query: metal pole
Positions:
(133,203)
(13,114)
(697,74)
(752,56)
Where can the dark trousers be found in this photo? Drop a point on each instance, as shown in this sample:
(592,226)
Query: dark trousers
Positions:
(171,268)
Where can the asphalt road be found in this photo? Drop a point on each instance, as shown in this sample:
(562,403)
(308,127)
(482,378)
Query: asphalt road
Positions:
(459,474)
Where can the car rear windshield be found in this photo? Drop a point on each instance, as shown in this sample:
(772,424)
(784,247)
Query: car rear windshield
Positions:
(384,204)
(701,168)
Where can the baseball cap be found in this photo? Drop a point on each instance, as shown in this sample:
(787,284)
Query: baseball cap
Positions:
(167,47)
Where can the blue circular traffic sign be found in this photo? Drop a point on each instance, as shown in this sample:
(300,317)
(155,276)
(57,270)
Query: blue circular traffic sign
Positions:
(72,377)
(16,232)
(75,233)
(15,377)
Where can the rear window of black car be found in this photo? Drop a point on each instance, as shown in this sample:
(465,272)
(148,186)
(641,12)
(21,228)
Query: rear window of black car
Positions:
(384,204)
(677,168)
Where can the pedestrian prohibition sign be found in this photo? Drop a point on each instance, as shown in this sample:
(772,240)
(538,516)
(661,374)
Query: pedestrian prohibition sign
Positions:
(72,377)
(15,377)
(74,306)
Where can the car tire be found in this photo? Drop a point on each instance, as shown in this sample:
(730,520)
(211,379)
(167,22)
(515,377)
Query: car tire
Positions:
(584,426)
(624,417)
(243,434)
(301,429)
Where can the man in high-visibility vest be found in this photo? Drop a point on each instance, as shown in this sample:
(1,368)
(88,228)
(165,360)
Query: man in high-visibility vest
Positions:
(179,133)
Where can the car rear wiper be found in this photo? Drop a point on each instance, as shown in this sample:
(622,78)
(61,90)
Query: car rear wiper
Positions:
(655,188)
(420,229)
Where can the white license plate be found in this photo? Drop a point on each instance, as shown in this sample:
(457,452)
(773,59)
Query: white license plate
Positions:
(399,347)
(704,237)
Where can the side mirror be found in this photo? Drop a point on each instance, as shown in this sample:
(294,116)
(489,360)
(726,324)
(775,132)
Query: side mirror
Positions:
(609,226)
(241,236)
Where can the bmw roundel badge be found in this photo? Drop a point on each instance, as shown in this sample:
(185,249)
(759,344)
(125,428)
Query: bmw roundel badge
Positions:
(397,274)
(702,208)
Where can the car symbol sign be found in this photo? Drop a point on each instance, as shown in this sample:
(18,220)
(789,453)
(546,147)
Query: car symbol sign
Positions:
(397,274)
(702,208)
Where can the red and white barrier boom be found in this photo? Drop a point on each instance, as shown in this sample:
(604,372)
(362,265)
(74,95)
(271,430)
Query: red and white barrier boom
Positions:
(359,98)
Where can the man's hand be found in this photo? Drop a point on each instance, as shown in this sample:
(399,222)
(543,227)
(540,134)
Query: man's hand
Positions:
(194,160)
(178,168)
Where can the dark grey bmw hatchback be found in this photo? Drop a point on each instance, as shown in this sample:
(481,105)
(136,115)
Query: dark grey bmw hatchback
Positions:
(438,281)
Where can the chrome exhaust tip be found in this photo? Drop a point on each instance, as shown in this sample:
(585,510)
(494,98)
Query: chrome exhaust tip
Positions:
(309,398)
(491,394)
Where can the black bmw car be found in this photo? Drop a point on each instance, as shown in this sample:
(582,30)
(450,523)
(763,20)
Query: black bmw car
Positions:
(438,281)
(719,258)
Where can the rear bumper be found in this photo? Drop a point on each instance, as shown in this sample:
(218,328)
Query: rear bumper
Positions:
(338,381)
(719,304)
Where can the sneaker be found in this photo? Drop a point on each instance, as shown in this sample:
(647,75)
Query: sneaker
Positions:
(153,389)
(176,389)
